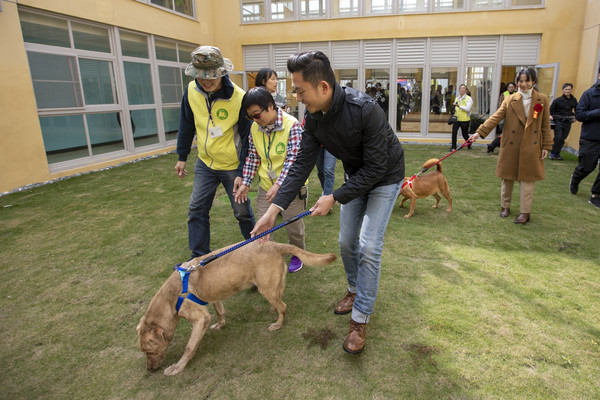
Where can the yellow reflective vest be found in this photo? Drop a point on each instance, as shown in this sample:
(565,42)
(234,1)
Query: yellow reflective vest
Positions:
(272,150)
(217,133)
(461,114)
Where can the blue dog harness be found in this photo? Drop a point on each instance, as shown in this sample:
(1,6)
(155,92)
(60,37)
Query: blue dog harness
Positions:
(185,275)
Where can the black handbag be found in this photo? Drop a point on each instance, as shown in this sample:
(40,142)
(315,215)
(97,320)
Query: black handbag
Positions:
(452,119)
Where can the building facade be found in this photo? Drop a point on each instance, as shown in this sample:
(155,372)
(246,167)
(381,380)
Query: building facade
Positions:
(92,83)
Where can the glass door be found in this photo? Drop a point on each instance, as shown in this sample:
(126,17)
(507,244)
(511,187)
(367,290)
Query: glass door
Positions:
(547,81)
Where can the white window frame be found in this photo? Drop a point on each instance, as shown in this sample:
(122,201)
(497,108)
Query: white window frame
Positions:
(362,10)
(121,105)
(172,11)
(355,59)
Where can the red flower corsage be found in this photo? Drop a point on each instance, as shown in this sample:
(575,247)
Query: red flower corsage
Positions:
(537,109)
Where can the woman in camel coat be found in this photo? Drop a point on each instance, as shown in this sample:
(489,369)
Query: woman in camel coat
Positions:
(526,139)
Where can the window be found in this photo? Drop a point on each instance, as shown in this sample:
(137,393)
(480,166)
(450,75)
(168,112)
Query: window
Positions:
(43,29)
(98,81)
(138,81)
(145,130)
(479,83)
(133,44)
(442,92)
(378,87)
(260,11)
(343,8)
(410,83)
(185,53)
(55,80)
(282,10)
(77,76)
(413,5)
(486,4)
(347,77)
(90,37)
(253,11)
(312,8)
(106,133)
(444,5)
(524,3)
(166,51)
(379,6)
(181,6)
(171,88)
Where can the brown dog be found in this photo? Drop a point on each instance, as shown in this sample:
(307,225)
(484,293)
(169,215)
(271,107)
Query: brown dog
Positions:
(253,264)
(426,185)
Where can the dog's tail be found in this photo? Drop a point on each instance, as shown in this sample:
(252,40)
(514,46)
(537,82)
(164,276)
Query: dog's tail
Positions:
(307,257)
(431,162)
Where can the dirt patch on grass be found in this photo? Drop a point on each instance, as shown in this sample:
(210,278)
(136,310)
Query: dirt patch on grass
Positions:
(320,337)
(421,353)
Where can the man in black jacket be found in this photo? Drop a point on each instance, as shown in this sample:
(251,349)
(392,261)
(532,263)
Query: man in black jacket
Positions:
(351,126)
(588,112)
(561,112)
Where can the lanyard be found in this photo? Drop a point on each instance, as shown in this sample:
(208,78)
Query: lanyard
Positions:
(268,149)
(209,107)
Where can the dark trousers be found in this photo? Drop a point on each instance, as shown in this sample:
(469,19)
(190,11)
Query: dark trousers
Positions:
(464,128)
(561,132)
(589,153)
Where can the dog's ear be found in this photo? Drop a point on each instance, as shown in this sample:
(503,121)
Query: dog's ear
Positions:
(159,333)
(142,321)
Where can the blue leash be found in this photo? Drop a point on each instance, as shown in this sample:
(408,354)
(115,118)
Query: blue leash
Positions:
(245,242)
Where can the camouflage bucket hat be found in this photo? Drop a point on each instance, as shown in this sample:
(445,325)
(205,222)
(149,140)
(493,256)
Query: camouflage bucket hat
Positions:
(208,63)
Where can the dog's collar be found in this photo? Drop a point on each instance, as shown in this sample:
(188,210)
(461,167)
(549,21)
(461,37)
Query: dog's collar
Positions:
(185,275)
(408,182)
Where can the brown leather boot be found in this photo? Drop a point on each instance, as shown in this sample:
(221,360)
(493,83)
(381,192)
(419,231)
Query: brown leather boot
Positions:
(522,219)
(345,304)
(504,213)
(355,341)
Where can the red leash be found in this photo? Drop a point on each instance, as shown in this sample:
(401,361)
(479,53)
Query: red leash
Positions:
(412,178)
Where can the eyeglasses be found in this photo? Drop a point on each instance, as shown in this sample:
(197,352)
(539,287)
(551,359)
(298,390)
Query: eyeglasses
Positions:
(255,117)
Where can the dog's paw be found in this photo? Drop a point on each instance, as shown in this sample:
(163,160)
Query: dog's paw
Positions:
(448,210)
(408,216)
(275,326)
(174,369)
(217,326)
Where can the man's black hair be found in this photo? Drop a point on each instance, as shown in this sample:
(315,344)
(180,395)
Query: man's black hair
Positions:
(314,66)
(258,96)
(567,85)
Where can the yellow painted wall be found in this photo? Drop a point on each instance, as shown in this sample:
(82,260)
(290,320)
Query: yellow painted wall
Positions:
(134,15)
(587,68)
(22,154)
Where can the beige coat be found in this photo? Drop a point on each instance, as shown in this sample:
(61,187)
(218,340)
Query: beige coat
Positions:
(523,137)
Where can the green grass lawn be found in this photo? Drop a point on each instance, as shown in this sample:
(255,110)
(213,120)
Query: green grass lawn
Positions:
(470,306)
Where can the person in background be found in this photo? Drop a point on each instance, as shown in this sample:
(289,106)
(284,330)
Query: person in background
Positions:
(462,109)
(525,142)
(267,78)
(562,113)
(352,127)
(510,89)
(273,145)
(449,98)
(588,113)
(211,111)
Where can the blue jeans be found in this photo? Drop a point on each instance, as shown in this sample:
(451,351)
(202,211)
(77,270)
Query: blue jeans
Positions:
(326,170)
(206,181)
(363,222)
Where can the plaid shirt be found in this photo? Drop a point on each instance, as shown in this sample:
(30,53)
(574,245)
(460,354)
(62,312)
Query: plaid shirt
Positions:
(253,160)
